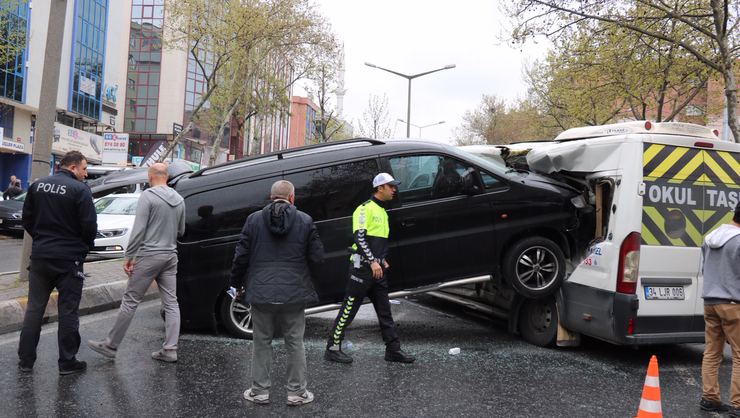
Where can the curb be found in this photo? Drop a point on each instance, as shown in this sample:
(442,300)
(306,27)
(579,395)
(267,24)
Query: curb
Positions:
(95,298)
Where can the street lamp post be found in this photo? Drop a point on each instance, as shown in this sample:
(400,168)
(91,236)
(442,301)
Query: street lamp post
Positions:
(423,126)
(409,78)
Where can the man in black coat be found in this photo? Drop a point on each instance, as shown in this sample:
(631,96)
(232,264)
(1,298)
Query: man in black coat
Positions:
(277,250)
(59,214)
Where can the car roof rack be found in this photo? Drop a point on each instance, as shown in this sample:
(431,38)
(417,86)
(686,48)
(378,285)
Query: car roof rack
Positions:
(287,153)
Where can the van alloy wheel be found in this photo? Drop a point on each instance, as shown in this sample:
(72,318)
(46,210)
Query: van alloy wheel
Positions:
(535,267)
(236,317)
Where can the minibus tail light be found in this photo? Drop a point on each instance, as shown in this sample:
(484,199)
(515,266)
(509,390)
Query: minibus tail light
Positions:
(629,264)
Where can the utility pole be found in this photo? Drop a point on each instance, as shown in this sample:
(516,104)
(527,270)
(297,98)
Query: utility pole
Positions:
(41,164)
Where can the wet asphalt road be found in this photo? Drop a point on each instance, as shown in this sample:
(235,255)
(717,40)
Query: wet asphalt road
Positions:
(496,374)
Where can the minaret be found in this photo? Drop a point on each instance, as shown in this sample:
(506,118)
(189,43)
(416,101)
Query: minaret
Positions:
(340,84)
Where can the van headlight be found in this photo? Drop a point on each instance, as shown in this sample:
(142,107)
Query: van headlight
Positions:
(578,201)
(110,233)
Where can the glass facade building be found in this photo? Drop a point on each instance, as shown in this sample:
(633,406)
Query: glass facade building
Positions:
(14,20)
(144,66)
(88,57)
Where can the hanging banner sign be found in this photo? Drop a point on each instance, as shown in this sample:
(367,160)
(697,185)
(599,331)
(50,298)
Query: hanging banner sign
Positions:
(115,148)
(67,138)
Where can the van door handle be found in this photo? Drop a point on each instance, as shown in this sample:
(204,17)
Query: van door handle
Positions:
(408,222)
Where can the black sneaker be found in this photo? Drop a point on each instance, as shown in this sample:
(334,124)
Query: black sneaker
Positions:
(74,367)
(25,367)
(399,356)
(337,356)
(713,406)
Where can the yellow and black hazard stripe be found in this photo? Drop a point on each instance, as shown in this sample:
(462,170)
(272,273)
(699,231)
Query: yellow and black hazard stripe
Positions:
(689,193)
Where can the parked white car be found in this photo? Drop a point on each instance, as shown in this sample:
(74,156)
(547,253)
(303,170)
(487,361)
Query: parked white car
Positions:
(116,215)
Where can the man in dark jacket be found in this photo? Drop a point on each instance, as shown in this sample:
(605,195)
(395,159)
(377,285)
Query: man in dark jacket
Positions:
(14,189)
(277,249)
(60,216)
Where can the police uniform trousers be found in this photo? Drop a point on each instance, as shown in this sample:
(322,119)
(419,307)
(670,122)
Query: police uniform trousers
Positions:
(360,284)
(44,276)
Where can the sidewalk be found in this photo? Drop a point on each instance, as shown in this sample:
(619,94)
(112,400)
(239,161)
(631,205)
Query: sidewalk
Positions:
(103,290)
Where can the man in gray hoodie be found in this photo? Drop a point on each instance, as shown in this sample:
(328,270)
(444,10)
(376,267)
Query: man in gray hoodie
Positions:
(721,267)
(151,255)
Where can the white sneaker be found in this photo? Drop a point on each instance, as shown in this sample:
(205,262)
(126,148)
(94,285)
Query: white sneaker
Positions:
(262,399)
(101,347)
(297,400)
(168,356)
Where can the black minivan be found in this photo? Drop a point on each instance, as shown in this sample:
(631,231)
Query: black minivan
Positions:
(456,216)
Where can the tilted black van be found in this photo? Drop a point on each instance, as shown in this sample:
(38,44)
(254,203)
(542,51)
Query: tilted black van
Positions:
(456,216)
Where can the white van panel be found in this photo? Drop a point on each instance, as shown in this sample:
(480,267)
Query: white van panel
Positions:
(668,268)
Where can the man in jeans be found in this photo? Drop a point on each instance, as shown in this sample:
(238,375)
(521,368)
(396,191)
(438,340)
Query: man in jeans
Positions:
(277,249)
(721,266)
(60,216)
(151,255)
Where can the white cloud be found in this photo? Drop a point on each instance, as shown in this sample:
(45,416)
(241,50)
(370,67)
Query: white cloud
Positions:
(414,36)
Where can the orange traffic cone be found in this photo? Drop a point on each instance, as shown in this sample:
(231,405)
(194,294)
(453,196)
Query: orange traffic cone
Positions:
(650,402)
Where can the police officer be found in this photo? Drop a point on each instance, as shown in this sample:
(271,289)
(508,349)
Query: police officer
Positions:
(60,216)
(368,274)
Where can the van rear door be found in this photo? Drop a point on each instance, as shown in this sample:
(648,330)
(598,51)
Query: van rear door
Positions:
(679,182)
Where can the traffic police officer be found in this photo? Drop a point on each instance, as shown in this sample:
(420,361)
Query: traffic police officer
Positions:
(368,274)
(60,216)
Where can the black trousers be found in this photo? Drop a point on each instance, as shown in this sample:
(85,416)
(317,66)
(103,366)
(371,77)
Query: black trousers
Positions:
(45,275)
(361,284)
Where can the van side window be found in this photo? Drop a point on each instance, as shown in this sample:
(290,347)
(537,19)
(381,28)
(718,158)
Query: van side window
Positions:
(223,211)
(425,177)
(489,181)
(334,191)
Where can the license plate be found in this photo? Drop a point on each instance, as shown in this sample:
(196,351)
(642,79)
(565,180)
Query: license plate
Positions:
(664,292)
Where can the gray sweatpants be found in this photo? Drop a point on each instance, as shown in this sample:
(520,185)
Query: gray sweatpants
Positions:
(292,322)
(163,269)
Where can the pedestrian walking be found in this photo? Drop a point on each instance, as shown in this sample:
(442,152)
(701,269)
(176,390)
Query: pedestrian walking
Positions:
(14,189)
(368,274)
(275,258)
(721,293)
(59,214)
(151,255)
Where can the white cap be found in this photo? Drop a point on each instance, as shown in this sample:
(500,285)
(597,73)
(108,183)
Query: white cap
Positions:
(385,178)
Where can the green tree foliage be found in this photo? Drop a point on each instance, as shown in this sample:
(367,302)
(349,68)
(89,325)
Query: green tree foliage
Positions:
(255,50)
(324,83)
(600,71)
(13,32)
(496,122)
(706,30)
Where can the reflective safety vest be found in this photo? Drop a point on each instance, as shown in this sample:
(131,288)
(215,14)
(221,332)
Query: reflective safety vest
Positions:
(370,230)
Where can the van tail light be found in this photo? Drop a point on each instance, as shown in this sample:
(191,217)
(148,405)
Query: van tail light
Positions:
(629,264)
(630,326)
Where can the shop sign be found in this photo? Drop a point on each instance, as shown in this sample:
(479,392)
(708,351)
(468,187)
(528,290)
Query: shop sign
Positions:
(13,145)
(115,148)
(67,138)
(16,145)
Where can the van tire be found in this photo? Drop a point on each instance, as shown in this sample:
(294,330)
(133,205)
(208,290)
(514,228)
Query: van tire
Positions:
(535,267)
(236,317)
(538,321)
